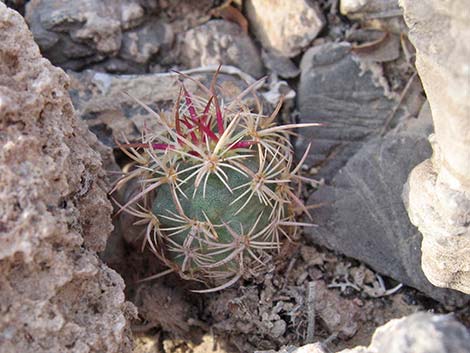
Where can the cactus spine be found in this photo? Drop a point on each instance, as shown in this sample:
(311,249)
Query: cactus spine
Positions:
(216,187)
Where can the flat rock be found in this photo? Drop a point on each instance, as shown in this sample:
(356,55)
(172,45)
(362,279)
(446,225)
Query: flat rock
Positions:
(364,217)
(56,295)
(285,27)
(220,42)
(349,97)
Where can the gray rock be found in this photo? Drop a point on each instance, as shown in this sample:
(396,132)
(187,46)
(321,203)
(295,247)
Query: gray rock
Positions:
(364,216)
(57,46)
(132,15)
(182,14)
(359,9)
(220,42)
(417,333)
(70,30)
(309,348)
(141,44)
(94,23)
(120,36)
(285,27)
(348,96)
(281,65)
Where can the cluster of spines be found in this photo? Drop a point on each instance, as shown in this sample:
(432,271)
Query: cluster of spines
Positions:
(205,137)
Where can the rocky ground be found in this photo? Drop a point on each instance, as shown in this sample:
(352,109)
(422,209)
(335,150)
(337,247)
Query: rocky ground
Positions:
(346,66)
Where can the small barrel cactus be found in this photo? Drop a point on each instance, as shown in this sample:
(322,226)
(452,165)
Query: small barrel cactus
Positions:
(215,187)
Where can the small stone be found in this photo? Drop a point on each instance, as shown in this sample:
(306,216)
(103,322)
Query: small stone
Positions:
(311,256)
(76,29)
(309,348)
(339,315)
(285,27)
(220,42)
(279,64)
(132,14)
(104,33)
(378,14)
(279,328)
(141,44)
(362,8)
(419,333)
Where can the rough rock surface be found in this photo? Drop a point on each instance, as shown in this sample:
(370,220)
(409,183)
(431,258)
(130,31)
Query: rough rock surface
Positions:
(351,99)
(112,35)
(65,31)
(417,333)
(363,215)
(285,27)
(438,190)
(56,294)
(220,42)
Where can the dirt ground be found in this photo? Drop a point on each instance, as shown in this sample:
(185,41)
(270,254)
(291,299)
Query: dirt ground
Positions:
(309,294)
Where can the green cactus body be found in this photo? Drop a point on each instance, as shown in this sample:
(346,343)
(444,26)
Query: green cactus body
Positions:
(214,218)
(217,188)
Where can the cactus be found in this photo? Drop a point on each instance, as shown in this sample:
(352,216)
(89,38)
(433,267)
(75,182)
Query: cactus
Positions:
(216,187)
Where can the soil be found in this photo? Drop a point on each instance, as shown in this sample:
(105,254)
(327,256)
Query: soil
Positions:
(273,310)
